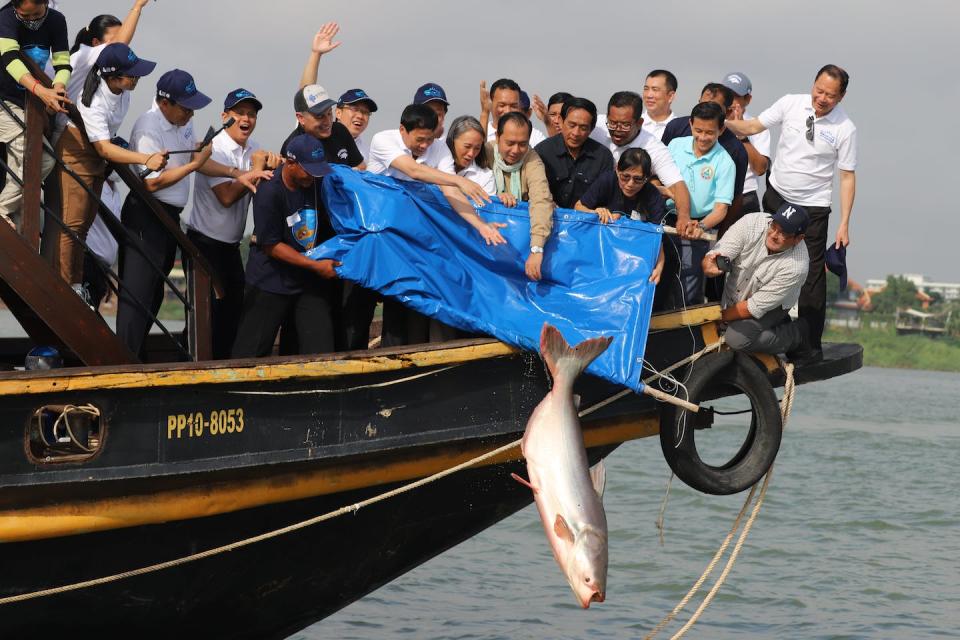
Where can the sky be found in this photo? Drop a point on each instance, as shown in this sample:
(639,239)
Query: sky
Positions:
(902,60)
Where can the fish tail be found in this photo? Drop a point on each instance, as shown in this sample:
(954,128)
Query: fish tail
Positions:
(564,361)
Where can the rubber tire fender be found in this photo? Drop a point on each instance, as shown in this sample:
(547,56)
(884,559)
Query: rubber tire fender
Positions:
(713,376)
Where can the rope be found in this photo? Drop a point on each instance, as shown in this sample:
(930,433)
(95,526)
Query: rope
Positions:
(353,508)
(786,406)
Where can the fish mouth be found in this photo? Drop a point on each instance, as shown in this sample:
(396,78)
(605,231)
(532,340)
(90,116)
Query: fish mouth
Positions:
(596,596)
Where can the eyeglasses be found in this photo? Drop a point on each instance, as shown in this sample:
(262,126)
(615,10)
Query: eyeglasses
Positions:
(637,180)
(810,129)
(363,111)
(619,126)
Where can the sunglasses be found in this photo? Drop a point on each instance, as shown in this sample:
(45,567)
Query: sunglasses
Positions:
(810,129)
(637,180)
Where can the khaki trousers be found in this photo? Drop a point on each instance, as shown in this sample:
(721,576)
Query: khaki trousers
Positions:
(78,208)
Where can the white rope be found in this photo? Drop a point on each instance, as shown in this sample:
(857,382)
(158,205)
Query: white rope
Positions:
(786,406)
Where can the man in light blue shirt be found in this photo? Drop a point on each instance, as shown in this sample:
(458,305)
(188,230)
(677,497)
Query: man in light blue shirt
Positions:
(709,174)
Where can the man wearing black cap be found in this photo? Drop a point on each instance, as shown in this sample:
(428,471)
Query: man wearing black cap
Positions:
(288,220)
(166,126)
(217,219)
(767,262)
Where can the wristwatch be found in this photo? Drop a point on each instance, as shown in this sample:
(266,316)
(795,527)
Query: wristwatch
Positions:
(702,226)
(536,249)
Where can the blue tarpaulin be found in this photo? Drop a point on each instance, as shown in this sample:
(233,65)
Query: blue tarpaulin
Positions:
(404,240)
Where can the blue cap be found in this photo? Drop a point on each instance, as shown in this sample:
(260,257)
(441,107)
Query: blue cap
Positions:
(237,96)
(524,100)
(430,92)
(117,59)
(178,86)
(356,95)
(792,218)
(307,151)
(836,260)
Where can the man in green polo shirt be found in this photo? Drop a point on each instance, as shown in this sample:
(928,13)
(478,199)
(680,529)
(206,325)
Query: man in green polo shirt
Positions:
(709,174)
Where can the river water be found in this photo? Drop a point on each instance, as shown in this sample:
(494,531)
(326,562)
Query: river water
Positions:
(859,537)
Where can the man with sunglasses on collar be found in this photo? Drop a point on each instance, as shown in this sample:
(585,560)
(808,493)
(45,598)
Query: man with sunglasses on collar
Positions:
(817,140)
(31,28)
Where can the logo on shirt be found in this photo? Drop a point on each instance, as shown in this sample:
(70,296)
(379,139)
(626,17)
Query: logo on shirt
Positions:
(827,136)
(706,173)
(342,154)
(303,226)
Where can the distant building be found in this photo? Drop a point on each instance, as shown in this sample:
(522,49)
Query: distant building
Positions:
(949,291)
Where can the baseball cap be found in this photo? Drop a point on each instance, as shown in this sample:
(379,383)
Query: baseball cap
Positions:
(739,83)
(524,100)
(792,218)
(237,96)
(356,95)
(119,59)
(312,99)
(836,260)
(430,92)
(178,86)
(307,151)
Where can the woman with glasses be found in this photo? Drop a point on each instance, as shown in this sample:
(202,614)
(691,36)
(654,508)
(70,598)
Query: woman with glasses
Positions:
(627,191)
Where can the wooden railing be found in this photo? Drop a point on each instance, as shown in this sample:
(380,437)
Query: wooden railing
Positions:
(201,280)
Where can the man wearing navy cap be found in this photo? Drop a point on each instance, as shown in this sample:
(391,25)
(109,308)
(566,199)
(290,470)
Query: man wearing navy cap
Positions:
(353,111)
(768,263)
(288,220)
(218,217)
(433,95)
(165,127)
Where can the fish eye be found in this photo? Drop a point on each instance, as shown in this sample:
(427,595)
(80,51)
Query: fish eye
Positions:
(587,580)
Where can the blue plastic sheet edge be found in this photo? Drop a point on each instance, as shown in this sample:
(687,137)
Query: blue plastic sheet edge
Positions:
(404,240)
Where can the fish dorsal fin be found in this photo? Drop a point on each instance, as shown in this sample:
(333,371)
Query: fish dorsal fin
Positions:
(562,530)
(561,359)
(598,476)
(576,401)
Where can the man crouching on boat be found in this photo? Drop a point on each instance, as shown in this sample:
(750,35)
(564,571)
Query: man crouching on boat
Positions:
(768,262)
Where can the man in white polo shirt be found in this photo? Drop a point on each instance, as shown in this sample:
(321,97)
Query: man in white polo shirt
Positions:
(218,217)
(757,146)
(412,152)
(817,140)
(505,97)
(659,90)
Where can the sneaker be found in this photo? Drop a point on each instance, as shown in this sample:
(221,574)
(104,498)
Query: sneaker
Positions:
(84,293)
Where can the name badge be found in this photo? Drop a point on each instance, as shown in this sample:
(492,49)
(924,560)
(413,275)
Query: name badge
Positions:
(293,219)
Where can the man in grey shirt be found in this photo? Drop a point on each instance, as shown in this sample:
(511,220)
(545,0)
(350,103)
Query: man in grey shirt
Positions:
(768,264)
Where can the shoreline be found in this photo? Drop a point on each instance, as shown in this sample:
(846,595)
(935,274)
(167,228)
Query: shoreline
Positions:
(885,349)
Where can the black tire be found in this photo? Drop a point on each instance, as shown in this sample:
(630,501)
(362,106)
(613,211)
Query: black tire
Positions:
(714,376)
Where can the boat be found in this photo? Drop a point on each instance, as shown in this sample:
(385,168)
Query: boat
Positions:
(109,465)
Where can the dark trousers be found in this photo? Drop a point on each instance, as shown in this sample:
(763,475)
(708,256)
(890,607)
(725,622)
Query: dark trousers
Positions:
(138,279)
(813,297)
(227,264)
(402,325)
(773,333)
(751,203)
(263,312)
(359,305)
(688,280)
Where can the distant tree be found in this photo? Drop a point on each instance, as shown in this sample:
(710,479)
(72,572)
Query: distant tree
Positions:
(899,293)
(833,287)
(936,298)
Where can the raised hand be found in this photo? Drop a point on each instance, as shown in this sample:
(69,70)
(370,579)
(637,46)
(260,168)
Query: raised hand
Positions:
(323,41)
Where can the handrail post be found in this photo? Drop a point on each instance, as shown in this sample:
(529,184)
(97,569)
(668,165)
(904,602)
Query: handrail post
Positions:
(36,121)
(200,312)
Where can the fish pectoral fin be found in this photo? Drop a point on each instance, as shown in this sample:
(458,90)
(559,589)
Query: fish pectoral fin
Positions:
(598,476)
(562,530)
(524,482)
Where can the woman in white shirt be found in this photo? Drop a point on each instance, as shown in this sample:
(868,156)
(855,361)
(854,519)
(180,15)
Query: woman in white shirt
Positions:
(466,139)
(103,105)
